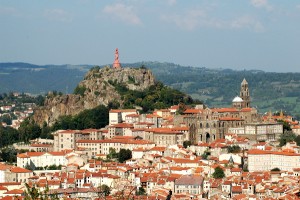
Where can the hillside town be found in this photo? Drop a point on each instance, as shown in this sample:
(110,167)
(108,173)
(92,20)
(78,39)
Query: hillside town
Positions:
(180,153)
(200,153)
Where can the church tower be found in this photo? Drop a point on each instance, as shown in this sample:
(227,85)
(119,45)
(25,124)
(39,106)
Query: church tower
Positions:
(244,94)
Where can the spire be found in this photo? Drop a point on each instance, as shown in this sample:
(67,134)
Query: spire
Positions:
(244,82)
(116,63)
(281,114)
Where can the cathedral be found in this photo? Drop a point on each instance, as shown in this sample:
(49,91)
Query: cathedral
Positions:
(209,124)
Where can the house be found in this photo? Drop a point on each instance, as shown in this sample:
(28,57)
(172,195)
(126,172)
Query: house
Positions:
(191,184)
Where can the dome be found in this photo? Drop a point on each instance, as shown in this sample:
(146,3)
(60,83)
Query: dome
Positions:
(237,99)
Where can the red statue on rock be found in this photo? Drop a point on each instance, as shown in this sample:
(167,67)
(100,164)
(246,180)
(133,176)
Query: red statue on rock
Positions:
(116,63)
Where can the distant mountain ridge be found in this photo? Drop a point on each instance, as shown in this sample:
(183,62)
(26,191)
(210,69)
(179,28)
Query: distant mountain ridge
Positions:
(216,87)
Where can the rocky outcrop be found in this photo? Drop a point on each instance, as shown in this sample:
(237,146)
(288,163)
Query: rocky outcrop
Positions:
(97,88)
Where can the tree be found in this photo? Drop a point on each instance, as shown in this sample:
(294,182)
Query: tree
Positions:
(40,100)
(141,191)
(205,155)
(112,153)
(286,125)
(287,136)
(297,140)
(218,173)
(33,193)
(29,130)
(234,149)
(105,189)
(187,143)
(8,154)
(124,154)
(276,169)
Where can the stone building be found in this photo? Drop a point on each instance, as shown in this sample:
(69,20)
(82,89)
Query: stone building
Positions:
(66,139)
(209,124)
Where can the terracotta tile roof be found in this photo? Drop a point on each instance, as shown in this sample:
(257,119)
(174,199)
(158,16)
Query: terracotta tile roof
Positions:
(3,188)
(68,131)
(193,111)
(163,131)
(15,191)
(189,180)
(158,148)
(222,110)
(90,130)
(261,152)
(230,119)
(236,189)
(20,170)
(121,110)
(122,125)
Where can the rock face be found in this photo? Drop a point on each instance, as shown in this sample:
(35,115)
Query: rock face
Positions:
(97,88)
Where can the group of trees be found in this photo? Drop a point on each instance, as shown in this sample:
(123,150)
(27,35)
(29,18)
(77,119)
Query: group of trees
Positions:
(289,136)
(121,156)
(157,96)
(90,118)
(234,149)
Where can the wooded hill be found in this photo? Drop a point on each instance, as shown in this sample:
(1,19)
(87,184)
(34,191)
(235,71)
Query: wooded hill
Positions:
(215,87)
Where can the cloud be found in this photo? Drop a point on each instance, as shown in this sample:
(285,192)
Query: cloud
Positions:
(59,15)
(171,2)
(262,4)
(193,19)
(123,13)
(249,23)
(298,6)
(9,11)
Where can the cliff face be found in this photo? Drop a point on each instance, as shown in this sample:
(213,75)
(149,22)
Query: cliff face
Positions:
(97,88)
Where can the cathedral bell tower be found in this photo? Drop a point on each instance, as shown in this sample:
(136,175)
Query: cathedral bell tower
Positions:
(244,94)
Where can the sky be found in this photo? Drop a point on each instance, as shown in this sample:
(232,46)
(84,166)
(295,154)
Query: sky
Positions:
(235,34)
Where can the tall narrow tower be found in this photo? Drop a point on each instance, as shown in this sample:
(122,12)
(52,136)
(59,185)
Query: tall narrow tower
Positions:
(116,63)
(244,94)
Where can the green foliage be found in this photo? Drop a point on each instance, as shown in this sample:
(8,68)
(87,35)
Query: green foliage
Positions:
(124,154)
(287,136)
(40,100)
(286,125)
(112,153)
(6,119)
(105,189)
(218,173)
(8,136)
(187,143)
(141,191)
(91,118)
(34,193)
(234,149)
(29,130)
(131,80)
(297,140)
(205,155)
(8,154)
(276,169)
(155,97)
(80,90)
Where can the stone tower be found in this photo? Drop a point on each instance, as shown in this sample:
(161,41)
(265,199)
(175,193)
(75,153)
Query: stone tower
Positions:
(116,63)
(244,94)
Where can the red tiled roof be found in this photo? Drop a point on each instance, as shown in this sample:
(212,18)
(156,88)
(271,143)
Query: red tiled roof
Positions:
(258,151)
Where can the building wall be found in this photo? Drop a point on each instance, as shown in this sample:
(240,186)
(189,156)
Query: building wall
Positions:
(265,162)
